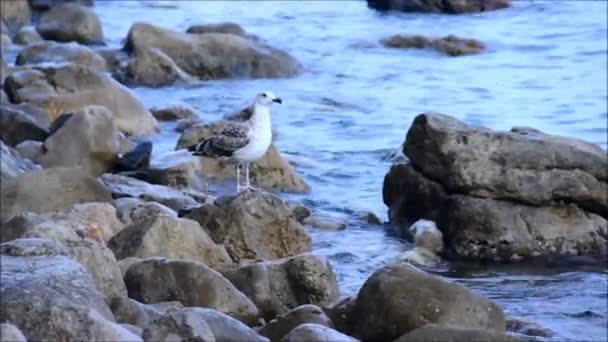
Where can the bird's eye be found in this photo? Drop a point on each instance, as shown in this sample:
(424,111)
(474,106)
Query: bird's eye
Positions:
(263,95)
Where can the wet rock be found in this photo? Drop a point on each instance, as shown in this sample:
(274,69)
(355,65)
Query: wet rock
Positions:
(253,225)
(316,332)
(278,286)
(11,333)
(137,159)
(447,333)
(298,210)
(169,237)
(271,171)
(422,257)
(398,299)
(183,125)
(183,325)
(116,61)
(132,210)
(130,311)
(178,169)
(67,22)
(437,6)
(369,217)
(15,14)
(33,247)
(48,190)
(88,139)
(56,300)
(193,284)
(450,45)
(174,112)
(324,222)
(52,52)
(121,186)
(224,327)
(528,328)
(13,164)
(341,314)
(125,263)
(67,88)
(22,122)
(27,35)
(282,325)
(151,67)
(44,5)
(214,55)
(226,27)
(425,234)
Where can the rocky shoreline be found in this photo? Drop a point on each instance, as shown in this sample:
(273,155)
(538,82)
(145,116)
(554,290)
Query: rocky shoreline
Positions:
(98,243)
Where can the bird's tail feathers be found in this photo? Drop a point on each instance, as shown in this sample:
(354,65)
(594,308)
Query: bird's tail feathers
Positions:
(198,149)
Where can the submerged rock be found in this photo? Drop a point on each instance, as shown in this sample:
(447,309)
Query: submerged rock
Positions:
(450,45)
(67,22)
(437,6)
(398,299)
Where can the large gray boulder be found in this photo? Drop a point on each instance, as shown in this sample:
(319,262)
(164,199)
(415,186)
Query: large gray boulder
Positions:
(184,325)
(71,22)
(67,88)
(170,237)
(214,55)
(501,196)
(194,284)
(224,327)
(253,225)
(48,190)
(439,6)
(398,299)
(151,67)
(52,52)
(278,286)
(88,139)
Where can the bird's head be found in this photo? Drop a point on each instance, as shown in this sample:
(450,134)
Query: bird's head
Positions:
(267,98)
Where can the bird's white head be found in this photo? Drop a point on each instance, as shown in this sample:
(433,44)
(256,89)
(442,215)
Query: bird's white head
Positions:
(266,98)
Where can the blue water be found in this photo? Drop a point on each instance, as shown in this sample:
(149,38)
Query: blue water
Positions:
(545,67)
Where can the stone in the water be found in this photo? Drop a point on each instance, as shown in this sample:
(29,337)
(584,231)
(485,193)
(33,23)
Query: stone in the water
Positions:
(450,45)
(137,159)
(192,283)
(434,6)
(69,22)
(398,299)
(299,210)
(253,225)
(183,325)
(316,332)
(226,27)
(324,222)
(47,190)
(174,112)
(88,140)
(425,234)
(282,325)
(170,237)
(422,257)
(450,333)
(151,67)
(52,52)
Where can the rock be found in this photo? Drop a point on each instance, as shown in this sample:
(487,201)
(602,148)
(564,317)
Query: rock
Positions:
(278,286)
(184,124)
(436,6)
(182,325)
(52,52)
(22,122)
(272,171)
(132,328)
(67,22)
(132,210)
(44,5)
(48,190)
(67,88)
(422,257)
(27,35)
(324,222)
(341,314)
(116,61)
(298,210)
(10,333)
(253,225)
(137,159)
(30,225)
(3,97)
(436,332)
(177,169)
(13,164)
(226,328)
(226,27)
(169,237)
(125,263)
(33,247)
(56,300)
(450,45)
(121,186)
(214,55)
(5,40)
(316,332)
(282,325)
(174,112)
(151,67)
(398,299)
(15,14)
(369,217)
(29,149)
(523,166)
(127,310)
(88,139)
(193,284)
(425,234)
(528,328)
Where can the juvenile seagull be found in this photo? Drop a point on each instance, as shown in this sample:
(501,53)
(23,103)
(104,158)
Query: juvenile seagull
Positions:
(242,142)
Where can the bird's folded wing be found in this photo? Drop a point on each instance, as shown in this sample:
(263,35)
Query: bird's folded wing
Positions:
(229,138)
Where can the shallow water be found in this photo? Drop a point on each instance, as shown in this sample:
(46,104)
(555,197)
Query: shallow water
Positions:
(341,120)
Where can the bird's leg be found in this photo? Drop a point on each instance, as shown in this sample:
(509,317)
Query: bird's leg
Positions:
(239,188)
(248,183)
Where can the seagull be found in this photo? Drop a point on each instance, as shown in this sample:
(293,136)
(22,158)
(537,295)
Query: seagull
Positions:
(242,142)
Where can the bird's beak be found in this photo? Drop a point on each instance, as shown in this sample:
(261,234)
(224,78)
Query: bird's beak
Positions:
(277,100)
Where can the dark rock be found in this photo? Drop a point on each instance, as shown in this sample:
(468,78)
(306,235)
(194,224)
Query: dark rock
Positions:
(227,27)
(174,112)
(450,45)
(282,325)
(43,5)
(439,6)
(22,122)
(136,160)
(67,22)
(298,210)
(342,314)
(447,333)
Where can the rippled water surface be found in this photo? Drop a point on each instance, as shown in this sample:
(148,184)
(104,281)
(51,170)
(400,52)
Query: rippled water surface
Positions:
(344,118)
